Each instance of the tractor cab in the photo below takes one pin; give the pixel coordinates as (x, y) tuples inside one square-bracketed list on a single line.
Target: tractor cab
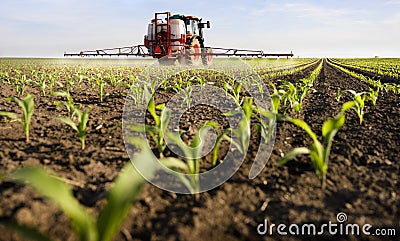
[(178, 36), (193, 24)]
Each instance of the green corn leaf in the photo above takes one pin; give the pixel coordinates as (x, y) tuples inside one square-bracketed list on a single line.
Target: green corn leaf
[(27, 105), (160, 107), (152, 109), (198, 141), (293, 154), (9, 115), (305, 127), (229, 114), (59, 193), (125, 191), (348, 105), (220, 138), (68, 122), (83, 122), (165, 118), (174, 163), (351, 92), (276, 101), (60, 93), (27, 232), (317, 156), (333, 124)]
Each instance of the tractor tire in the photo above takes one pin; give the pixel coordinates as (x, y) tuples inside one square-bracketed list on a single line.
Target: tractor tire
[(207, 56), (194, 48)]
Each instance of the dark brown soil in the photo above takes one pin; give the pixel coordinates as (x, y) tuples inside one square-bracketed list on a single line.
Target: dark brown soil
[(362, 179)]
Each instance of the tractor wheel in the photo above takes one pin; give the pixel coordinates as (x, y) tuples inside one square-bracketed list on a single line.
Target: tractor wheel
[(207, 57), (195, 48)]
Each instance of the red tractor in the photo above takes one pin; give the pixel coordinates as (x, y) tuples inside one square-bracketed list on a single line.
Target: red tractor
[(178, 36)]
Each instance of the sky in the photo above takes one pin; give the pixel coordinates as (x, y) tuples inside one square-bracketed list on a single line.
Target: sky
[(309, 28)]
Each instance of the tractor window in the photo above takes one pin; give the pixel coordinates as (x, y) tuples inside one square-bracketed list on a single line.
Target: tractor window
[(195, 27), (192, 27), (188, 27)]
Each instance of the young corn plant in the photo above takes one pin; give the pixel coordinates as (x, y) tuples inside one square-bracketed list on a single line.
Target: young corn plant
[(51, 83), (83, 118), (265, 128), (243, 132), (373, 95), (288, 96), (235, 89), (188, 96), (158, 131), (102, 85), (275, 98), (359, 100), (28, 106), (42, 83), (222, 136), (20, 85), (69, 104), (236, 92), (192, 155), (318, 152)]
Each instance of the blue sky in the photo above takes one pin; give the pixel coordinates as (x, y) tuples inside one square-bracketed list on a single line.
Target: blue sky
[(353, 28)]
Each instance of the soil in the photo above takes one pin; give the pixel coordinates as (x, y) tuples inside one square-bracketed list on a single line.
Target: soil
[(362, 180)]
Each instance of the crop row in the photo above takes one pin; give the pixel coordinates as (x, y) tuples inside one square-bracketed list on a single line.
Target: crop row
[(380, 67), (377, 84)]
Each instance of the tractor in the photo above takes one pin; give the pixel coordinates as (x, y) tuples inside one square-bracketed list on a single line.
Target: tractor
[(179, 37)]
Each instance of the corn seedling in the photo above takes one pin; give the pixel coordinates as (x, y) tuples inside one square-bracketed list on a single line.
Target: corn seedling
[(102, 85), (236, 92), (359, 100), (265, 128), (20, 85), (338, 94), (27, 106), (288, 96), (158, 131), (81, 77), (275, 98), (80, 129), (192, 154), (51, 83), (188, 95), (243, 132), (318, 152), (69, 104), (220, 138), (373, 95), (42, 83), (234, 89), (136, 93)]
